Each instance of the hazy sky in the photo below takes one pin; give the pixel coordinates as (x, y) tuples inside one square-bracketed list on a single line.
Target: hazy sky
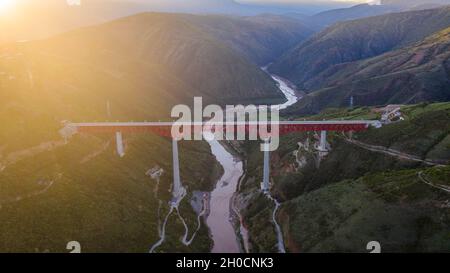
[(280, 1), (301, 1)]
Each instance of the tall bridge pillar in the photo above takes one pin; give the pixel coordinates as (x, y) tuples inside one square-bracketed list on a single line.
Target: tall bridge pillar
[(266, 176), (176, 170), (119, 144), (323, 141)]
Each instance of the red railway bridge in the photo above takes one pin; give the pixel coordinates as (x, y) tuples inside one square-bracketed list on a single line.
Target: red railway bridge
[(165, 129)]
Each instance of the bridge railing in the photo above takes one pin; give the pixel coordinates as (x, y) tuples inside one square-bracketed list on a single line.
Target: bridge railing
[(164, 128)]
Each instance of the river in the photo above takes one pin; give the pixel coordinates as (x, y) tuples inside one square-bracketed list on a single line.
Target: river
[(219, 219)]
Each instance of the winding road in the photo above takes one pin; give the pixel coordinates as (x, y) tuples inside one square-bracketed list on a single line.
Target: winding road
[(401, 155), (437, 186), (391, 152)]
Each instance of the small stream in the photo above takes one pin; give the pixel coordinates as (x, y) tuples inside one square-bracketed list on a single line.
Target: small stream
[(280, 241)]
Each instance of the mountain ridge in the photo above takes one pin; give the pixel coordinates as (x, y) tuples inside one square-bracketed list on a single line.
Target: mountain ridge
[(408, 75), (357, 39)]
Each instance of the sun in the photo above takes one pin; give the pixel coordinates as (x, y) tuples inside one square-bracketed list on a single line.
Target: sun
[(5, 5)]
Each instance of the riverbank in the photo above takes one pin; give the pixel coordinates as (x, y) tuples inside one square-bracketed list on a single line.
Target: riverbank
[(227, 226), (220, 218), (235, 209)]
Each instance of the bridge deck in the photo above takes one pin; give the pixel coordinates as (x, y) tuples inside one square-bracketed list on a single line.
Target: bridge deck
[(164, 128)]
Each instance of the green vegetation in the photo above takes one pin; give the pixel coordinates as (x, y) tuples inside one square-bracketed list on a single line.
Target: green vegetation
[(139, 67), (424, 132), (354, 195), (105, 202), (439, 176), (394, 208)]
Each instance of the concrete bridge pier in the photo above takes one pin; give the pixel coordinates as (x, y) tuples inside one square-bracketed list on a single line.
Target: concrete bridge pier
[(265, 186), (176, 191), (323, 141), (119, 144)]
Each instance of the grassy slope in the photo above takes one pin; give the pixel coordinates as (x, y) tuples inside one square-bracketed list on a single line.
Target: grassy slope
[(106, 203), (424, 133), (393, 208)]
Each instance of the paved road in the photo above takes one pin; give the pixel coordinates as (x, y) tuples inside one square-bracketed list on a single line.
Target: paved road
[(402, 155), (391, 152), (437, 186)]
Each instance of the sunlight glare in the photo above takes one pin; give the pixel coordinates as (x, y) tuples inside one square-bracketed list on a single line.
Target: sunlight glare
[(5, 5)]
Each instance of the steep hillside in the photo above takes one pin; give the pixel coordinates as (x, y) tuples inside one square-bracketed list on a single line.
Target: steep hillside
[(408, 75), (396, 209), (348, 189), (142, 65), (356, 40), (205, 63), (262, 39), (55, 193), (31, 19), (135, 68)]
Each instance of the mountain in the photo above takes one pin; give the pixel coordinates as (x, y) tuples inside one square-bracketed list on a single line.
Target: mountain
[(142, 65), (134, 68), (192, 6), (328, 18), (262, 38), (358, 192), (408, 75), (265, 37), (30, 19), (241, 7), (324, 19), (356, 40), (413, 3), (426, 6)]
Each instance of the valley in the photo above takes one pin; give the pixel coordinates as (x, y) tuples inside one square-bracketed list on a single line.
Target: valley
[(388, 184)]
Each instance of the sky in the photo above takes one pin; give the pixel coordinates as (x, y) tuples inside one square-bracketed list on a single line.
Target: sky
[(330, 3), (299, 1), (273, 2), (276, 6)]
